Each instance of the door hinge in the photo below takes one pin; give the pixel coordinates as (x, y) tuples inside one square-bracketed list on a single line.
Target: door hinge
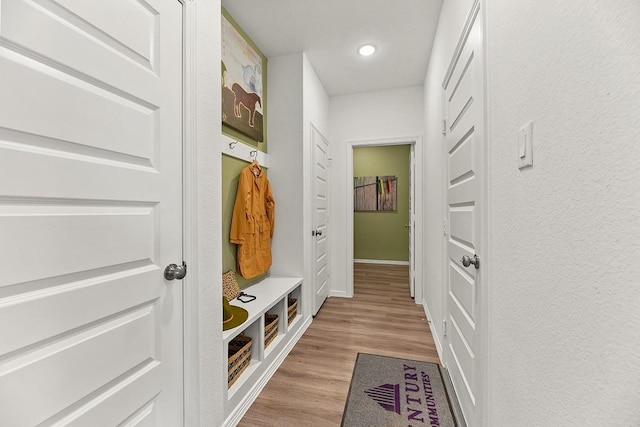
[(444, 328), (444, 226), (444, 127)]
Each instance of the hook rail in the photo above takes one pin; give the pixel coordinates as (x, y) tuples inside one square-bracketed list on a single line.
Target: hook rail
[(240, 150)]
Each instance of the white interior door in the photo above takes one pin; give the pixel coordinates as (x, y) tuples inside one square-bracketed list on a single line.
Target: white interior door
[(320, 218), (90, 212), (412, 223), (464, 154)]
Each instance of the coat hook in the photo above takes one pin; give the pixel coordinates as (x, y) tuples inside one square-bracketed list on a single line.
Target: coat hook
[(232, 144), (253, 154)]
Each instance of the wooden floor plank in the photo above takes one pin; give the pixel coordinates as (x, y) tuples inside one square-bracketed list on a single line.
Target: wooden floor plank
[(310, 388)]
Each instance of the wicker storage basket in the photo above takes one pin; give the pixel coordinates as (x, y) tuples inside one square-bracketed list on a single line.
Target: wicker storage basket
[(239, 357), (292, 309), (270, 328)]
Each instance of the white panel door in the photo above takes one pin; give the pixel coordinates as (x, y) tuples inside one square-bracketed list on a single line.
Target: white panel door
[(320, 218), (465, 147), (90, 212)]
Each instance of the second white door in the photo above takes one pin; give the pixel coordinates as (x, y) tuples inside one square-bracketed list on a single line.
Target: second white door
[(320, 218), (412, 222), (464, 156)]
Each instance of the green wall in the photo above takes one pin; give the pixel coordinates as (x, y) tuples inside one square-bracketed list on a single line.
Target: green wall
[(231, 168), (382, 235)]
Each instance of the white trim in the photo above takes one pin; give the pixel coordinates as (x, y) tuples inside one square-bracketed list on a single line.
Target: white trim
[(445, 234), (381, 261), (240, 150), (416, 141), (348, 220), (436, 338), (204, 365), (191, 372), (339, 294), (486, 273), (418, 231), (412, 223), (239, 411)]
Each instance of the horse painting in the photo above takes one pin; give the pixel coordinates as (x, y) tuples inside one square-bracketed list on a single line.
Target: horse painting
[(247, 100)]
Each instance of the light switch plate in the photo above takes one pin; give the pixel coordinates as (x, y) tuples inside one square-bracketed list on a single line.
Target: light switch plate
[(525, 146)]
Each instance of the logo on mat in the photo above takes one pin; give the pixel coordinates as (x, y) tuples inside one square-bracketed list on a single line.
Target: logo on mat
[(387, 396)]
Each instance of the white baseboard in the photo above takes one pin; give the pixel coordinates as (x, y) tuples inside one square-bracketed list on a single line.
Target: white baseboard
[(234, 418), (434, 332), (380, 261), (339, 294)]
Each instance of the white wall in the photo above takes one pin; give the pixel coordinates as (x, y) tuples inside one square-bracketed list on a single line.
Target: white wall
[(285, 130), (315, 112), (316, 101), (452, 18), (296, 99), (367, 116), (205, 364), (565, 234)]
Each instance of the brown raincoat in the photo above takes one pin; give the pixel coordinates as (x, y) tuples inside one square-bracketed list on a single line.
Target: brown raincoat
[(252, 222)]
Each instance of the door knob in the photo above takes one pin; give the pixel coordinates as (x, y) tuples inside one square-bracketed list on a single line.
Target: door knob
[(407, 226), (316, 233), (173, 271), (467, 261)]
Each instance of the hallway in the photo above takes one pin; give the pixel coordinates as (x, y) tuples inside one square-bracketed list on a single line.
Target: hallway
[(310, 388)]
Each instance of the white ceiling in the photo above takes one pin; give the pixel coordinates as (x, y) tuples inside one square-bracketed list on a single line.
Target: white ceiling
[(330, 32)]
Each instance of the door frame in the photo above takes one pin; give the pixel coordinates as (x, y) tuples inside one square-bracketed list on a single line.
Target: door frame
[(416, 142), (191, 373), (204, 371), (476, 14)]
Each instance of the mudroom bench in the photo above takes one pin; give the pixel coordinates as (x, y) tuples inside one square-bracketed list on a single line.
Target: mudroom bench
[(275, 296)]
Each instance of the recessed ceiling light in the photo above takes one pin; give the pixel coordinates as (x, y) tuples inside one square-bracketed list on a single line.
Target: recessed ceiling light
[(366, 50)]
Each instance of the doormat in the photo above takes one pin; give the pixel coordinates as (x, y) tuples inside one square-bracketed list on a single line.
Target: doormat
[(386, 391)]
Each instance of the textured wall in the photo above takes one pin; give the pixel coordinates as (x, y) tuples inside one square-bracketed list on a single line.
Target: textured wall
[(367, 116), (207, 357), (564, 235), (382, 235)]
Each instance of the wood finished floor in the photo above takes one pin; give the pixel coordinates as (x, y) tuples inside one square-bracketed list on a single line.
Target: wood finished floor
[(311, 386)]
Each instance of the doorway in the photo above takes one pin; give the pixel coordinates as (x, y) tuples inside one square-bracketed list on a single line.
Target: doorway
[(413, 222)]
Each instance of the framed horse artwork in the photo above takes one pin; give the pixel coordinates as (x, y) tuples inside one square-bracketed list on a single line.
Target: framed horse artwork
[(243, 82)]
